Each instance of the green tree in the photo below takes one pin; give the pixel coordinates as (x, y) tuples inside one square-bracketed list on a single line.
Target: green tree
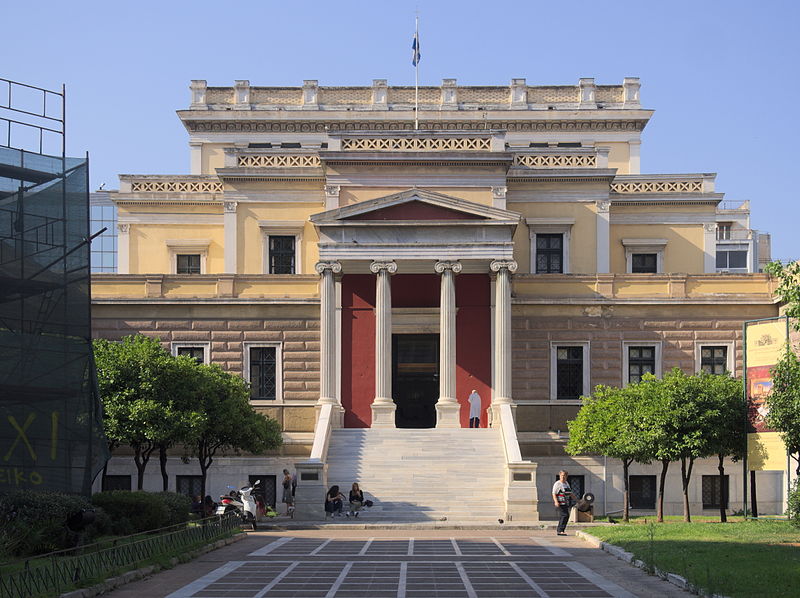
[(231, 422), (726, 432), (150, 399), (784, 402), (788, 290), (608, 424)]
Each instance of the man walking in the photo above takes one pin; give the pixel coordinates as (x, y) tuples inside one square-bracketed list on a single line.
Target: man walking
[(562, 499), (474, 409)]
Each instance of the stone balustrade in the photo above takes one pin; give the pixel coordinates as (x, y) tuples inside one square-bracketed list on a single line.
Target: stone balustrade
[(180, 184)]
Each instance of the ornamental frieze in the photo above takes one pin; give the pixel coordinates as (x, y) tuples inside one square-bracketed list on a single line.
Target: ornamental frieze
[(340, 126)]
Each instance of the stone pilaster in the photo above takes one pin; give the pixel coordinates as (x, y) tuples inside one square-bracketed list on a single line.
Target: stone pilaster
[(499, 197), (230, 225), (383, 406), (447, 408), (603, 229), (332, 196), (123, 248), (502, 331), (241, 94)]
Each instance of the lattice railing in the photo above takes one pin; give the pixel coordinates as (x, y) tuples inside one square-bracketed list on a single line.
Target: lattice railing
[(176, 186), (484, 95), (417, 144), (556, 160), (553, 95), (279, 161), (658, 187)]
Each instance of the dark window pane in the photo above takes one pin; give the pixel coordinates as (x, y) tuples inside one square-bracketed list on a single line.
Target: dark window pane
[(569, 372), (644, 263), (196, 353), (549, 253), (641, 360), (722, 259), (737, 259), (642, 490), (713, 493), (190, 485), (714, 360), (188, 263), (116, 482), (263, 373), (281, 254)]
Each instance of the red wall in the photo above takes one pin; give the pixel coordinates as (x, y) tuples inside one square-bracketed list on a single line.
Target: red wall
[(473, 342), (473, 329)]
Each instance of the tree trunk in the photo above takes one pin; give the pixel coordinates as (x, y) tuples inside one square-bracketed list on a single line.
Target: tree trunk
[(686, 476), (660, 512), (723, 491), (162, 459), (141, 457), (205, 456), (626, 503)]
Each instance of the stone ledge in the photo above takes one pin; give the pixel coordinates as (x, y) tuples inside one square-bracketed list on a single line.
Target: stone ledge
[(623, 555), (114, 582)]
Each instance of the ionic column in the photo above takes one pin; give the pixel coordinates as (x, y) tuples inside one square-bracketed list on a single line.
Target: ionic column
[(383, 406), (502, 330), (327, 332), (447, 406)]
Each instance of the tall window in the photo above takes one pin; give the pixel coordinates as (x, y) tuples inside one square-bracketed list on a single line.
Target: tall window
[(577, 483), (642, 490), (263, 373), (641, 361), (188, 263), (549, 253), (644, 263), (724, 231), (714, 359), (281, 254), (714, 493), (104, 247), (569, 372)]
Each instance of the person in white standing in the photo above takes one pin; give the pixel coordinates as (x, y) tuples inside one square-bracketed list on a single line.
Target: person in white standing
[(562, 499), (474, 409)]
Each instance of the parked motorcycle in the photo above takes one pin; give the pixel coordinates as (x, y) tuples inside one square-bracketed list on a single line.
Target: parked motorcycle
[(241, 502)]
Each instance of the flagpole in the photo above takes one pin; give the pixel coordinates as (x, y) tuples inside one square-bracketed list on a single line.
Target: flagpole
[(416, 77)]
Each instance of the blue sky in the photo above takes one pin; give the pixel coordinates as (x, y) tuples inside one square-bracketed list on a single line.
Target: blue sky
[(721, 75)]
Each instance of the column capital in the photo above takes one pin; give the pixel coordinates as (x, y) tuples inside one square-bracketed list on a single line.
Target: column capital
[(390, 267), (123, 228), (334, 267), (440, 267), (603, 206), (230, 206), (497, 265)]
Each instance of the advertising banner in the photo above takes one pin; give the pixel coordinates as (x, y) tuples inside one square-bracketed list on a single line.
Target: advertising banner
[(764, 342)]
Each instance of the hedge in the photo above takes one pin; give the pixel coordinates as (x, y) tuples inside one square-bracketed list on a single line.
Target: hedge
[(133, 512)]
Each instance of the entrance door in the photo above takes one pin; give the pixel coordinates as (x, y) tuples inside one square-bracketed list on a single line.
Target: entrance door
[(415, 379)]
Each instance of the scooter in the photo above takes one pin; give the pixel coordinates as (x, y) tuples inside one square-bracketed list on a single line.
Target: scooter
[(241, 502)]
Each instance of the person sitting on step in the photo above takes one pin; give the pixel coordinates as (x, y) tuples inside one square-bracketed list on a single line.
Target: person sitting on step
[(333, 502), (356, 500)]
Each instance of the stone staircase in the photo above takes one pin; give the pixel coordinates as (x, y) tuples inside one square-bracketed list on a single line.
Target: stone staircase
[(422, 475)]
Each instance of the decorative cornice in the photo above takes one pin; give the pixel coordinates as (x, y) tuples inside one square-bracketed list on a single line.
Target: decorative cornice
[(497, 265), (323, 126), (390, 267), (334, 267), (440, 267)]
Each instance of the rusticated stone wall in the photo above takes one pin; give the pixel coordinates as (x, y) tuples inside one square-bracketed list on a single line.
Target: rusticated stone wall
[(226, 328)]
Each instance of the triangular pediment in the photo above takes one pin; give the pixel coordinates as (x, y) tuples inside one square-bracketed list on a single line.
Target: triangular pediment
[(417, 205)]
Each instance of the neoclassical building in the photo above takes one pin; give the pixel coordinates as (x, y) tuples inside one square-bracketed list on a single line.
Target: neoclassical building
[(365, 276)]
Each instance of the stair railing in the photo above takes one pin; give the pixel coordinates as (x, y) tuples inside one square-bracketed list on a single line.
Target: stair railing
[(312, 474)]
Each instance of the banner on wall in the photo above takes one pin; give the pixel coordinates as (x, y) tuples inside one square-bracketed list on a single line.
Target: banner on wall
[(764, 341)]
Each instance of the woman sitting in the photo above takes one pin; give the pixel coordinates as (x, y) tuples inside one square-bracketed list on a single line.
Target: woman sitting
[(356, 499), (333, 502)]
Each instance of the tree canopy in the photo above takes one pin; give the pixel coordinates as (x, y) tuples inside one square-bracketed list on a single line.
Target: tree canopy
[(788, 290)]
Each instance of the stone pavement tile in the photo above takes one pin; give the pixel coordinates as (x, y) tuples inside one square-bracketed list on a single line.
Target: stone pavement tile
[(382, 567)]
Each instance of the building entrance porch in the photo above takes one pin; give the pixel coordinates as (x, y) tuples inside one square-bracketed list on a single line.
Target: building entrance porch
[(415, 377)]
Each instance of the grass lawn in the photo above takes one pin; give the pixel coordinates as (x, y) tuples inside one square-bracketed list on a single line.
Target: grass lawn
[(738, 559)]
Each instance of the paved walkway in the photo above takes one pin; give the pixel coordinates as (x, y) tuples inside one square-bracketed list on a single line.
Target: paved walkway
[(403, 564)]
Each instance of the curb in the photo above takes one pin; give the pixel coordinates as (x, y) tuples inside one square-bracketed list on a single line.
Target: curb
[(286, 526), (624, 555), (114, 582)]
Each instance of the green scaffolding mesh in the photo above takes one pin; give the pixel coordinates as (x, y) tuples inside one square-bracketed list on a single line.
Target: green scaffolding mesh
[(50, 417)]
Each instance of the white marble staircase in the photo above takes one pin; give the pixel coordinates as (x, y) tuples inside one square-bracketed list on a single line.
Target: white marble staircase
[(422, 475)]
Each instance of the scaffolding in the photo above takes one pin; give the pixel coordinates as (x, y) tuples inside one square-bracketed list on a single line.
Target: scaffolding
[(51, 434)]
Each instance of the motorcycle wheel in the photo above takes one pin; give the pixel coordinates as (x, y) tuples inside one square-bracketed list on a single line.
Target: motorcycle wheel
[(255, 526)]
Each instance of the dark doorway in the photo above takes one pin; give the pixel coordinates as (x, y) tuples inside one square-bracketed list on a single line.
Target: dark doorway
[(266, 489), (415, 379)]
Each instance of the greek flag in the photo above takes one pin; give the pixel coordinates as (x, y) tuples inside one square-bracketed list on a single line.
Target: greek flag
[(415, 47)]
